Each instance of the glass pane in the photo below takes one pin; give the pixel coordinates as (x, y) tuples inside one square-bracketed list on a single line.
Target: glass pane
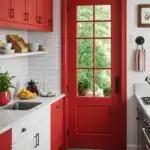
[(103, 53), (103, 83), (103, 12), (84, 13), (85, 53), (102, 29), (85, 82), (85, 29)]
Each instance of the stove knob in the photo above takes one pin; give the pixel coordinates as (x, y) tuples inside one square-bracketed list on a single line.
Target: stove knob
[(146, 122)]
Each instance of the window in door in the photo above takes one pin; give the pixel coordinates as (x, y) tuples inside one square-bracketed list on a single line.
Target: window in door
[(93, 50)]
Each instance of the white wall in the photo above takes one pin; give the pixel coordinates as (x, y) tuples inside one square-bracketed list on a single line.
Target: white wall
[(48, 67), (133, 77), (15, 66)]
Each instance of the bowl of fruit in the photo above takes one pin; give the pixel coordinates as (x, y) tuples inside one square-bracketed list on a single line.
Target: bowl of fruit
[(25, 94)]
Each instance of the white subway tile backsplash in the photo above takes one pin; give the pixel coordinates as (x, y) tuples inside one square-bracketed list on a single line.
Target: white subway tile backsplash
[(4, 32), (15, 66), (47, 68)]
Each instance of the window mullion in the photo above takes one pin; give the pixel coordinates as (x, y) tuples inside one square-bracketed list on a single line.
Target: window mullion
[(94, 78)]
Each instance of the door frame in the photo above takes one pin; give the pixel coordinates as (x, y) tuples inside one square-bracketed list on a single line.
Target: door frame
[(64, 67)]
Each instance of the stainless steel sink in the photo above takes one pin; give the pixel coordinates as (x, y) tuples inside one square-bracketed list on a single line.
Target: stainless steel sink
[(21, 106)]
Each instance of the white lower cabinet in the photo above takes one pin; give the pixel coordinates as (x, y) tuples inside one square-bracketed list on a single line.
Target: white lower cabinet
[(33, 133), (42, 141), (25, 143)]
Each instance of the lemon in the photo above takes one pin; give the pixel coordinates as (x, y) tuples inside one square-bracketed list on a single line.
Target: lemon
[(23, 95), (34, 94)]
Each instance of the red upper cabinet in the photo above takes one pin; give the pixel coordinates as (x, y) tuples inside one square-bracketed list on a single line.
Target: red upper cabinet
[(37, 10), (26, 14), (33, 12), (5, 9), (49, 15), (41, 12), (20, 11), (6, 140)]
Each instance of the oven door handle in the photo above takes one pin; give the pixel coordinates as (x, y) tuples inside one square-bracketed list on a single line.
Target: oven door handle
[(145, 134), (147, 147)]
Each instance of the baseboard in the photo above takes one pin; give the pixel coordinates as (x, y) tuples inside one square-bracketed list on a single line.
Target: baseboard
[(133, 147), (129, 147)]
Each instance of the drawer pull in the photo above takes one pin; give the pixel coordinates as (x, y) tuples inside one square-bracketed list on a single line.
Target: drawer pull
[(36, 145), (26, 16), (23, 130), (37, 19), (38, 139), (12, 13), (41, 20)]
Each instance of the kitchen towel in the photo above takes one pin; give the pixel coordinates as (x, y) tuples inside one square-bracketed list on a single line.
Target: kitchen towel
[(140, 60)]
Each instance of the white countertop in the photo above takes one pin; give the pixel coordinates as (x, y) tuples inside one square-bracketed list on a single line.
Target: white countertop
[(10, 117), (143, 90)]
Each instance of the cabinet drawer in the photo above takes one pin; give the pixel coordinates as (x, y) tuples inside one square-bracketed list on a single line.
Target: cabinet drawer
[(21, 129)]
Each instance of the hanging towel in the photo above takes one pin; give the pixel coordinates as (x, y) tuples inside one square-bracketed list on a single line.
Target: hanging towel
[(140, 60)]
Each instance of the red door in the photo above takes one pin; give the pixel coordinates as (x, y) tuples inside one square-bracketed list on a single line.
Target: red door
[(5, 10), (94, 44), (20, 11), (6, 140)]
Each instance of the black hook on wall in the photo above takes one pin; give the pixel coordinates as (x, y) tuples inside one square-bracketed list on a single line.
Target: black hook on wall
[(140, 41)]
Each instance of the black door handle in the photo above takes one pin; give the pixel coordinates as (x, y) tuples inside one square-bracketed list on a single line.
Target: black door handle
[(117, 84)]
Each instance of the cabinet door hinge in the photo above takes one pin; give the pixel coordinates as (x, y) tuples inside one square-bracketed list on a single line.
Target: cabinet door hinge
[(67, 132)]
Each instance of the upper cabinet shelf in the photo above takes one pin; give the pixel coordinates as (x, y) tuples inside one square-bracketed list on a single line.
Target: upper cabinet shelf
[(27, 14), (5, 56)]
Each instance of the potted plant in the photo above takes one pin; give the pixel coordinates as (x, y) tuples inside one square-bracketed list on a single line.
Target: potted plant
[(83, 87), (5, 85)]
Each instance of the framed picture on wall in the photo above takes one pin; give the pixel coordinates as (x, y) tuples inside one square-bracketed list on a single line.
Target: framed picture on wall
[(144, 15)]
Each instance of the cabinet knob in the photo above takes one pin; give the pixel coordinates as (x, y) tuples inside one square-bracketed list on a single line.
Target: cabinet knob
[(58, 107), (41, 20), (12, 12), (23, 130), (26, 15), (37, 19)]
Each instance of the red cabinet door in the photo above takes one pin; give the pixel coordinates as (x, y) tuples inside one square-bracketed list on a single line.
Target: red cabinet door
[(33, 12), (49, 15), (20, 11), (6, 140), (56, 126), (5, 9), (41, 12), (37, 9)]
